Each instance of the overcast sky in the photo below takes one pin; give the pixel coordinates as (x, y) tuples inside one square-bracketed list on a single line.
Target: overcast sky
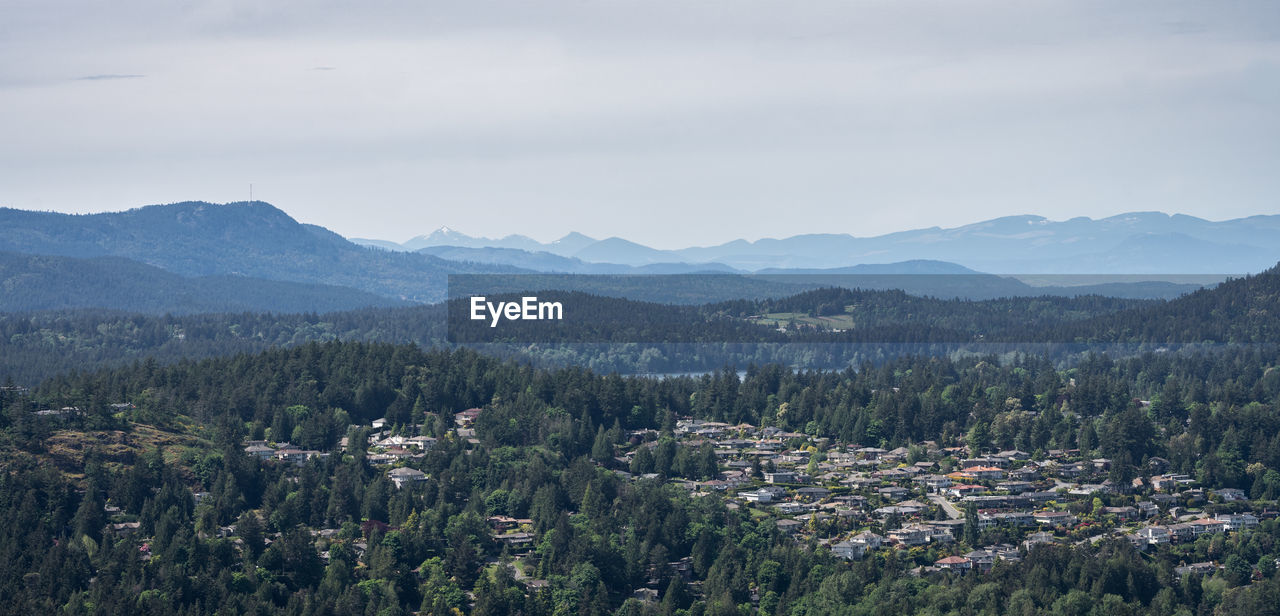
[(669, 123)]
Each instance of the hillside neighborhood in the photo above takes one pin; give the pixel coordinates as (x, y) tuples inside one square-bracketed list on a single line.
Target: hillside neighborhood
[(946, 509)]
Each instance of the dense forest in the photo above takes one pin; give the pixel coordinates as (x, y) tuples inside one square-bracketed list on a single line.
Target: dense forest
[(334, 536)]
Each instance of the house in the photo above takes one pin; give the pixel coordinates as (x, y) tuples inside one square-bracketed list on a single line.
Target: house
[(516, 541), (983, 560), (849, 550), (789, 526), (1237, 521), (1015, 487), (466, 418), (812, 493), (1040, 498), (1087, 489), (1070, 471), (261, 451), (954, 563), (402, 477), (951, 527), (1013, 518), (985, 473), (1054, 518), (791, 508), (962, 490), (1201, 569), (759, 496), (1013, 454), (909, 536), (1155, 535), (1230, 495), (893, 493), (1181, 532), (985, 461), (892, 510), (125, 528), (297, 456), (780, 477), (935, 483), (868, 539), (1206, 526), (1035, 539), (1121, 513)]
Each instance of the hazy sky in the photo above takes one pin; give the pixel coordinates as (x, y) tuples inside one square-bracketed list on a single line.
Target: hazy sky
[(669, 123)]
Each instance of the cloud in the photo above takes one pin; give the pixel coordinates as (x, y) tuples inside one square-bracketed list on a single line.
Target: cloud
[(878, 113), (108, 76)]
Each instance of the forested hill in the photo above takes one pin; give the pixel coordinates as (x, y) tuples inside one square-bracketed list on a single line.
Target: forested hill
[(35, 282), (249, 239), (1245, 310)]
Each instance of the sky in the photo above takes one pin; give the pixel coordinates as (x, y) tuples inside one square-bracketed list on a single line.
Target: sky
[(668, 123)]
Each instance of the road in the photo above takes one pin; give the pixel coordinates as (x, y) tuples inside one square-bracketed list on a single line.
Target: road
[(946, 505)]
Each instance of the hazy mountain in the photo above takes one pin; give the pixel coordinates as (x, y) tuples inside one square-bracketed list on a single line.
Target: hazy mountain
[(248, 239), (40, 282), (570, 244), (618, 250), (547, 262), (444, 236), (1137, 242)]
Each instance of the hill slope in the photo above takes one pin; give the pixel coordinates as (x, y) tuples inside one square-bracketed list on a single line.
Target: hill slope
[(248, 239), (34, 282)]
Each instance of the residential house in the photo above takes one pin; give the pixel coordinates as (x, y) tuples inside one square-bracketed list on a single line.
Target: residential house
[(1054, 518), (1037, 538), (789, 526), (402, 477), (1155, 535), (1237, 521), (868, 539), (954, 563), (1230, 495), (849, 550)]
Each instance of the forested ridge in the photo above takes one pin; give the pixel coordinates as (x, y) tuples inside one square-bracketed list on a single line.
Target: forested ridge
[(547, 445), (631, 336), (35, 283)]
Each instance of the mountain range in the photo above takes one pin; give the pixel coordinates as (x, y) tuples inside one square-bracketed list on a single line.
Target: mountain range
[(200, 257), (1147, 243)]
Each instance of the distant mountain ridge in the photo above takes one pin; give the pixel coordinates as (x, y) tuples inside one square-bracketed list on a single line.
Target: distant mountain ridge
[(258, 241), (1135, 242), (40, 282), (247, 239)]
